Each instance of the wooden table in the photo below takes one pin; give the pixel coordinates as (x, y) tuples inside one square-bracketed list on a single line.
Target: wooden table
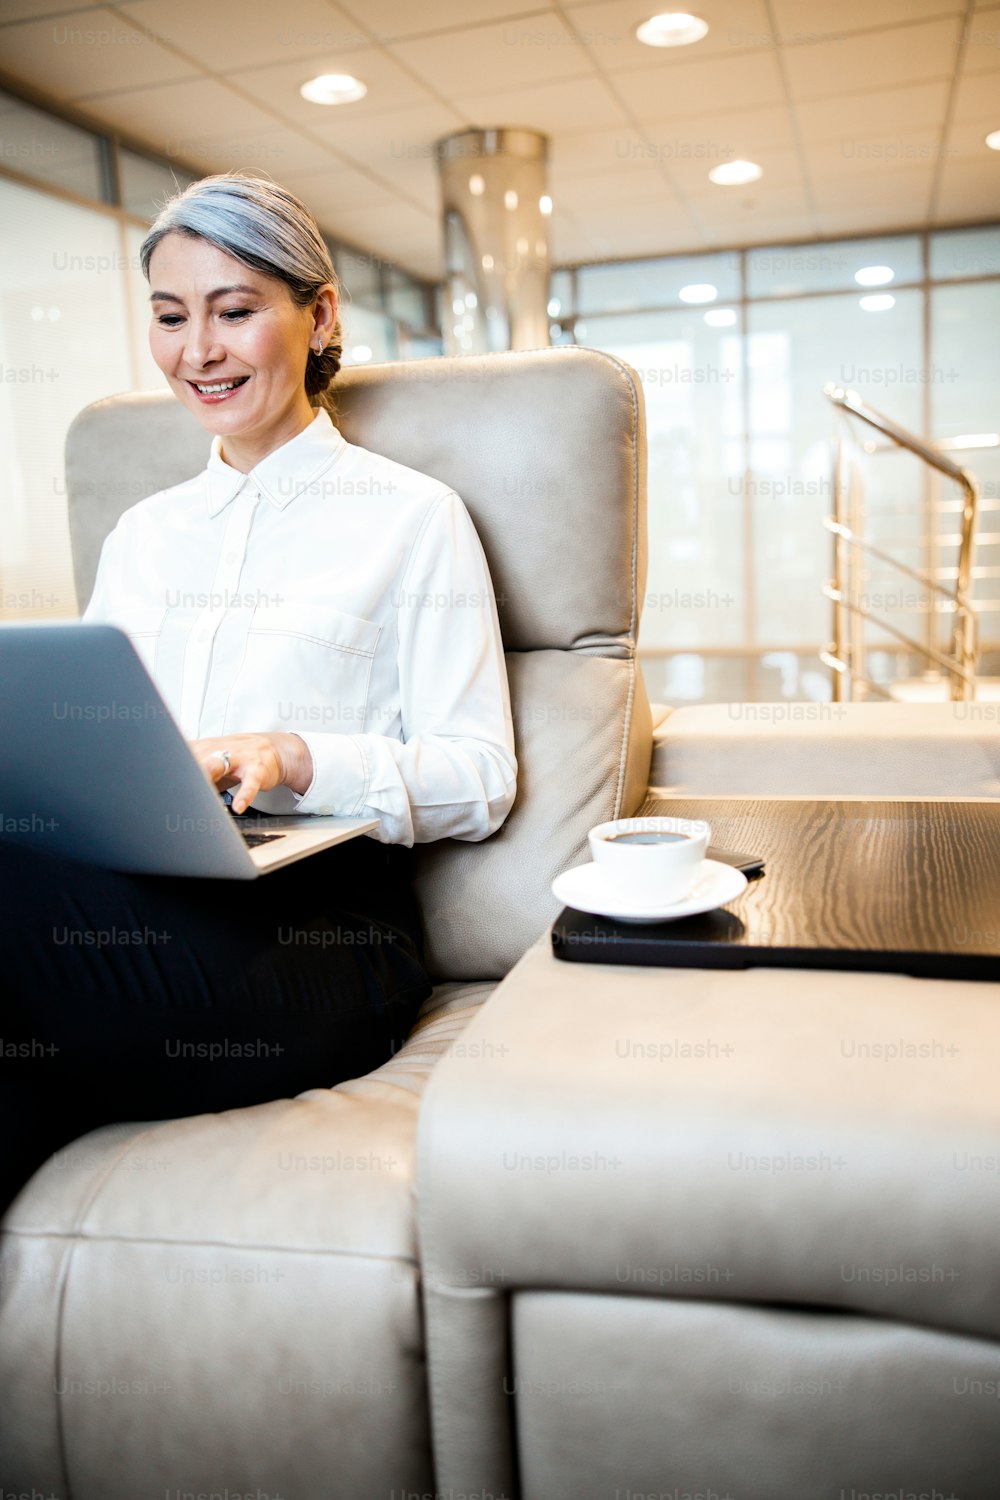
[(907, 887)]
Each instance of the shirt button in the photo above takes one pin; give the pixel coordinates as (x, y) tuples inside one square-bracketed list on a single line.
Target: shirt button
[(327, 810)]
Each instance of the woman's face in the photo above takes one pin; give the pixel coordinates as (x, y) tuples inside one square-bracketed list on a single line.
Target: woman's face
[(218, 324)]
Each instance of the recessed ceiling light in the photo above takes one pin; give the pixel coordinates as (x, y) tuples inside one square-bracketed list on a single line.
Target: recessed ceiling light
[(874, 275), (720, 317), (361, 354), (477, 185), (735, 173), (553, 307), (334, 88), (545, 204), (510, 199), (698, 291), (674, 28), (879, 303), (993, 140)]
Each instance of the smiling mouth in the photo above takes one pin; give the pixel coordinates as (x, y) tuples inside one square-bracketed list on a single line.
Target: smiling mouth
[(217, 390)]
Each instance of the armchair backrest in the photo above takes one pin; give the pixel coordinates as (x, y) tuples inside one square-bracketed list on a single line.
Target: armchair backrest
[(547, 450)]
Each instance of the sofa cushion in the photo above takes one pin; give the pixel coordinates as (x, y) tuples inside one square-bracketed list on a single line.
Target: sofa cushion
[(581, 725), (227, 1299)]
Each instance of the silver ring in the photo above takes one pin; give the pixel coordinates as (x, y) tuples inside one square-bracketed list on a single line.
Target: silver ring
[(225, 758)]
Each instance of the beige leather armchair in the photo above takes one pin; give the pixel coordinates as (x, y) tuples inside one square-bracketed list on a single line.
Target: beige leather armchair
[(232, 1302)]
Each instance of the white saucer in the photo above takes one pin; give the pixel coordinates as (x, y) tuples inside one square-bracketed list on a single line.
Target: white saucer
[(589, 888)]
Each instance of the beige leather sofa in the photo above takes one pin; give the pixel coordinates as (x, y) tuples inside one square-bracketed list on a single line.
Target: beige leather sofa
[(234, 1300), (511, 1262)]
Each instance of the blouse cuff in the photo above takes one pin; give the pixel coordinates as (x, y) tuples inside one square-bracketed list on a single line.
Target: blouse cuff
[(340, 775)]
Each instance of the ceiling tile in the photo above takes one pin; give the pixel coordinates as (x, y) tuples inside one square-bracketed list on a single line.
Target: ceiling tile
[(392, 139), (389, 86), (874, 154), (864, 219), (280, 153), (982, 43), (400, 232), (32, 10), (340, 186), (639, 184), (810, 18), (516, 53), (73, 56), (637, 242), (568, 104), (753, 209), (720, 136), (966, 189), (874, 59), (578, 153), (881, 109), (607, 28), (228, 34), (415, 181), (905, 189), (390, 20), (782, 168), (674, 93), (160, 116), (977, 98), (967, 142)]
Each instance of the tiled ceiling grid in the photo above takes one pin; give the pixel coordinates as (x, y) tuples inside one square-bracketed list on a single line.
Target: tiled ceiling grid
[(866, 115)]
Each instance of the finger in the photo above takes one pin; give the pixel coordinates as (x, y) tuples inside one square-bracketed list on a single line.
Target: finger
[(249, 785), (216, 771)]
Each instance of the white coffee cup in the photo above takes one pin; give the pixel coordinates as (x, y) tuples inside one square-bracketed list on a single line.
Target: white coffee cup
[(648, 860)]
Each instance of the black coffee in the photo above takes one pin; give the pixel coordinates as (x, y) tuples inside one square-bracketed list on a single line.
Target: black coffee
[(648, 838)]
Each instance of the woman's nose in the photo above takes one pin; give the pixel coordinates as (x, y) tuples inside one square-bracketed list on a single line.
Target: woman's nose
[(202, 346)]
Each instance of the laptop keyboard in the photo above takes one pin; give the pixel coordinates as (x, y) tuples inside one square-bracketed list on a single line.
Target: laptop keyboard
[(253, 839)]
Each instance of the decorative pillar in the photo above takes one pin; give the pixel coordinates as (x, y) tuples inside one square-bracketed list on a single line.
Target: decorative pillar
[(496, 232)]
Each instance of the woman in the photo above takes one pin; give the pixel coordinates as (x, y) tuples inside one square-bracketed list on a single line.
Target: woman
[(321, 622)]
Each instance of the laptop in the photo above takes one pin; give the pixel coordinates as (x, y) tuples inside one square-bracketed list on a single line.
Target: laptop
[(94, 766)]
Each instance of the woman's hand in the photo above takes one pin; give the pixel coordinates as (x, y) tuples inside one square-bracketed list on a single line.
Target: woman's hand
[(257, 762)]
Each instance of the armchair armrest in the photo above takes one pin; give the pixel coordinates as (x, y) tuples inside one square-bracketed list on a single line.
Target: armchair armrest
[(829, 750), (774, 1125)]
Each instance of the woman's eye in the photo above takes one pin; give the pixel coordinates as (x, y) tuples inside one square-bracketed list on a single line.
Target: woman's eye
[(169, 320), (235, 314)]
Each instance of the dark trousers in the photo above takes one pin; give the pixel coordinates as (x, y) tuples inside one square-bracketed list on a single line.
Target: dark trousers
[(127, 997)]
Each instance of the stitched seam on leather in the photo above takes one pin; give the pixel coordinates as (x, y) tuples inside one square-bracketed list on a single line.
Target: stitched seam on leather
[(76, 1236), (57, 1379), (129, 1239), (625, 736), (627, 721)]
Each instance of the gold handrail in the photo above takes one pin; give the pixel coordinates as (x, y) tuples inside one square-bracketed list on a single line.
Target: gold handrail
[(962, 664)]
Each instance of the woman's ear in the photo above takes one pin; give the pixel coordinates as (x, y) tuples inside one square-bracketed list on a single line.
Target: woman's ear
[(324, 315)]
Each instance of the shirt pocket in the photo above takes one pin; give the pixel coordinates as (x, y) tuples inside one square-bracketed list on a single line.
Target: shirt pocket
[(305, 666)]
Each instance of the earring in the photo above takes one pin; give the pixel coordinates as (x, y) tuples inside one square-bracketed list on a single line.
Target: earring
[(318, 347)]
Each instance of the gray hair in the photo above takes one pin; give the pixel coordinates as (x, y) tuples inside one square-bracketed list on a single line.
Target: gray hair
[(266, 228)]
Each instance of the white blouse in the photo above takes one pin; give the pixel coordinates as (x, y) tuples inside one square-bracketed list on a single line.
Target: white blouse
[(338, 595)]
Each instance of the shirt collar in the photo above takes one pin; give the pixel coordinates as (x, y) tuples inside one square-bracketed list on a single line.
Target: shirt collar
[(283, 474)]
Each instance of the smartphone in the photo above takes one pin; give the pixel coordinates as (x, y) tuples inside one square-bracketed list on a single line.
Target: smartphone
[(750, 864)]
